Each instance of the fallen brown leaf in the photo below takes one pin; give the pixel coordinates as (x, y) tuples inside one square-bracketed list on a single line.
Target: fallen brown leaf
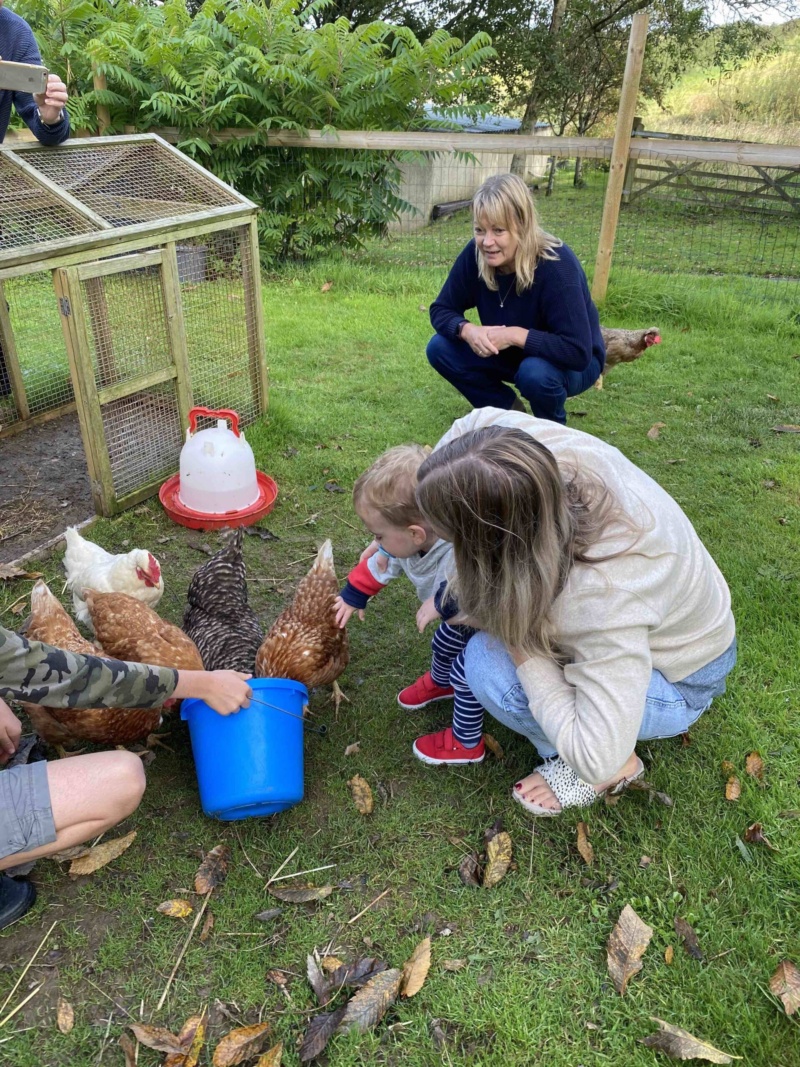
[(786, 428), (728, 768), (357, 974), (320, 1030), (302, 894), (331, 963), (8, 571), (733, 788), (645, 862), (498, 859), (681, 1045), (368, 1006), (669, 955), (240, 1045), (771, 396), (319, 983), (128, 1049), (639, 785), (415, 969), (351, 750), (362, 794), (277, 978), (494, 747), (192, 1037), (269, 915), (492, 831), (70, 853), (65, 1016), (326, 288), (208, 926), (655, 430), (176, 909), (453, 965), (158, 1038), (213, 870), (785, 983), (754, 835), (585, 845), (272, 1058), (626, 946), (100, 855), (754, 765), (689, 938)]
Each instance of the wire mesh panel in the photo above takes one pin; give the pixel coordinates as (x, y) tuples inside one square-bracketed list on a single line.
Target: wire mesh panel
[(131, 182), (31, 213), (143, 436), (219, 287), (41, 352)]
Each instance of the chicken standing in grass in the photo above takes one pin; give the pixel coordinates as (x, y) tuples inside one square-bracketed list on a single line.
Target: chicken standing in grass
[(218, 619), (88, 566), (50, 623), (305, 642), (129, 630), (624, 346)]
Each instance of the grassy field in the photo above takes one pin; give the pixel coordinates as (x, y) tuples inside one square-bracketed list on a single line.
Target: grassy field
[(349, 378)]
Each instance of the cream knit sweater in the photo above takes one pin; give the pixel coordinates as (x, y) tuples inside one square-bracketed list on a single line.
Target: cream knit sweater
[(663, 604)]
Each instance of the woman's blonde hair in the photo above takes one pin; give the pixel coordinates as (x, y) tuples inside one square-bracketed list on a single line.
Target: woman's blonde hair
[(517, 524), (505, 200), (389, 485)]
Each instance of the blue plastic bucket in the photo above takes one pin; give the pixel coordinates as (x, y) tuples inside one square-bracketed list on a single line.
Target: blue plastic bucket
[(250, 763)]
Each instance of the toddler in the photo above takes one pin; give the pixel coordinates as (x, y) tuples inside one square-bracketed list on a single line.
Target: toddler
[(384, 499)]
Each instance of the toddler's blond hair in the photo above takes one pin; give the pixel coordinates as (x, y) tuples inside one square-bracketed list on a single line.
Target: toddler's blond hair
[(389, 486)]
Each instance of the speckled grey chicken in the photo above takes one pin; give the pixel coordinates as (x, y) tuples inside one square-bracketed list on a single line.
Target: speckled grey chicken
[(218, 619)]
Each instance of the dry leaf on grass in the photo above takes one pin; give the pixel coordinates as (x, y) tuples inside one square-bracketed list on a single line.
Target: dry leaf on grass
[(213, 870), (754, 835), (100, 855), (626, 946), (669, 955), (128, 1049), (277, 978), (351, 750), (158, 1038), (453, 965), (754, 765), (320, 1030), (785, 983), (362, 794), (302, 894), (269, 915), (176, 909), (469, 870), (415, 969), (788, 427), (330, 964), (733, 788), (498, 859), (689, 938), (681, 1045), (208, 926), (357, 974), (8, 571), (240, 1045), (494, 746), (728, 768), (584, 844), (65, 1016), (272, 1058), (70, 853), (319, 983), (326, 288), (368, 1006), (655, 430), (192, 1037), (639, 785)]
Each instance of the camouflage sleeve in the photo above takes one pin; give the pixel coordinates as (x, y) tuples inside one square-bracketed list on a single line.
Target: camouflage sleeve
[(41, 674)]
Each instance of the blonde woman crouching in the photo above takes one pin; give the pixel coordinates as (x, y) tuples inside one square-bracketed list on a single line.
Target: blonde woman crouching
[(604, 619), (539, 329)]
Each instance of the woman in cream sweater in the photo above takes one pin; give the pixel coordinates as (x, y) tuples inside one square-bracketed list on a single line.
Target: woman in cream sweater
[(604, 619)]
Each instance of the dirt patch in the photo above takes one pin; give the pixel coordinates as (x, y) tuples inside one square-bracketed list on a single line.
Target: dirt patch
[(44, 486)]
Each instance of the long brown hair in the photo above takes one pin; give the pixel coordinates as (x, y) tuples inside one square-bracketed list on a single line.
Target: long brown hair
[(505, 200), (518, 524)]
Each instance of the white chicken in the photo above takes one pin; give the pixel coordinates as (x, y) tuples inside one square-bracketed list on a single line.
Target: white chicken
[(88, 566)]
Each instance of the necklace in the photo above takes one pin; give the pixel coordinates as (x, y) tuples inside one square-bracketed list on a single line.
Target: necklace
[(508, 291)]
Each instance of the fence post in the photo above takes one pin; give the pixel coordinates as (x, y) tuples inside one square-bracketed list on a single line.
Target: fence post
[(619, 154), (630, 170), (103, 114)]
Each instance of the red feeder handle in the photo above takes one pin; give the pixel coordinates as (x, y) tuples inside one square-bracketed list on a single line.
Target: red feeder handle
[(222, 413)]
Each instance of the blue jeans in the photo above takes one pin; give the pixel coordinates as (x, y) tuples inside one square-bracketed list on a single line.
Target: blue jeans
[(492, 677), (483, 381)]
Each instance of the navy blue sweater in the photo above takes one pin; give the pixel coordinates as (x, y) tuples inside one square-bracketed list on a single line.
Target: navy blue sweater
[(557, 311), (17, 44)]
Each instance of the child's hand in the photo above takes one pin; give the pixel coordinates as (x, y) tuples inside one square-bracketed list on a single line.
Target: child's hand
[(427, 613), (344, 613), (382, 562), (10, 732)]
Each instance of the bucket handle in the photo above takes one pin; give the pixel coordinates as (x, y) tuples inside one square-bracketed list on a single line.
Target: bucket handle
[(223, 413)]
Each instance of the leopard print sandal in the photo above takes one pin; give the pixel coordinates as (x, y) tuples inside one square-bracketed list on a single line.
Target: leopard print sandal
[(568, 788)]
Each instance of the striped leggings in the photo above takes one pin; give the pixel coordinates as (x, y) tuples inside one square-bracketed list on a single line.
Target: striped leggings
[(447, 669)]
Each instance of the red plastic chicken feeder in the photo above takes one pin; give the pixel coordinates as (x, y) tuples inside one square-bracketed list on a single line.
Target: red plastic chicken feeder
[(218, 484)]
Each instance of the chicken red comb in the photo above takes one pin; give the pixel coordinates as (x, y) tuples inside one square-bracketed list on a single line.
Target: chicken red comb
[(649, 340)]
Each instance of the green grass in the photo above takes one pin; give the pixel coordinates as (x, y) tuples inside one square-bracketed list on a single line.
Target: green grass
[(349, 378)]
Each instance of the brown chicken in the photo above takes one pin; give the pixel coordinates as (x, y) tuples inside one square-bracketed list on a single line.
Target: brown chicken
[(129, 630), (304, 642), (49, 622), (624, 346)]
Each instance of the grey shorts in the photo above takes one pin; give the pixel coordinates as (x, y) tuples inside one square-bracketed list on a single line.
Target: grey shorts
[(26, 817)]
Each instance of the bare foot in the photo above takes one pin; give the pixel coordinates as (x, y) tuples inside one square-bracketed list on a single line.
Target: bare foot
[(535, 789)]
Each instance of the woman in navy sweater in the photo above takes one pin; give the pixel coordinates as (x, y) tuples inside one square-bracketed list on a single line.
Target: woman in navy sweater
[(539, 327)]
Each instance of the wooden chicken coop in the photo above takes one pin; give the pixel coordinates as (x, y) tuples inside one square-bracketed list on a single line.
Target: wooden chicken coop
[(130, 292)]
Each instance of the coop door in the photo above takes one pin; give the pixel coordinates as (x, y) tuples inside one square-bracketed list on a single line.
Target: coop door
[(123, 323)]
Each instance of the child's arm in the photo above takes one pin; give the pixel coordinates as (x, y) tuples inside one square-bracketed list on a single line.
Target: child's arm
[(427, 613), (10, 731)]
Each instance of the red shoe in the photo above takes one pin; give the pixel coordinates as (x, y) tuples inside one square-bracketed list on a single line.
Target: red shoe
[(423, 691), (444, 748)]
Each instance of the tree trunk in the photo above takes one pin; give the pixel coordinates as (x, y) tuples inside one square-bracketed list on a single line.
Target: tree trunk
[(533, 104), (551, 177)]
